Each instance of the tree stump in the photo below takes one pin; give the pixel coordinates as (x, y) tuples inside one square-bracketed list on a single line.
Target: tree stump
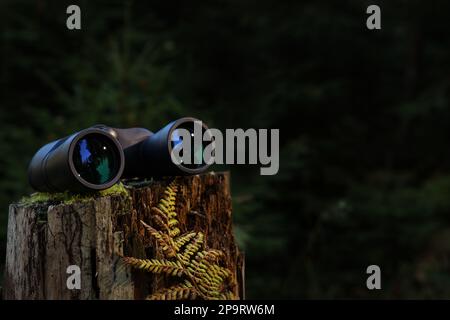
[(44, 239)]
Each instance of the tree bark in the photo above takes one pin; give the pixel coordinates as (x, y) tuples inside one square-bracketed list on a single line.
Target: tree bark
[(43, 240)]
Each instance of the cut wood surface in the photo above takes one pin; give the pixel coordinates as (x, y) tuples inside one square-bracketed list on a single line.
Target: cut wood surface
[(44, 239)]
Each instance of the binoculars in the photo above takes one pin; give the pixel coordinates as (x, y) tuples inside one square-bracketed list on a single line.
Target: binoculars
[(97, 157)]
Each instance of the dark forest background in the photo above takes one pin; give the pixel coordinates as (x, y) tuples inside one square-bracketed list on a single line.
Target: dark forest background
[(364, 122)]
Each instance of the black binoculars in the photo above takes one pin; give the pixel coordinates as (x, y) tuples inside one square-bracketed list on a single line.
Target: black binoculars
[(97, 157)]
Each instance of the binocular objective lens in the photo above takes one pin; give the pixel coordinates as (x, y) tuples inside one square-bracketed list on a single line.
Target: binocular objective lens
[(96, 159)]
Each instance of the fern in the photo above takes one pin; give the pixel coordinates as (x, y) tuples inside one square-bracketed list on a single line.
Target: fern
[(156, 266), (185, 256), (178, 292), (164, 241), (182, 240)]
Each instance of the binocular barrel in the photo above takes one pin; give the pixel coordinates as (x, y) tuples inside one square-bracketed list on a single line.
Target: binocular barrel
[(97, 157), (91, 159), (149, 154)]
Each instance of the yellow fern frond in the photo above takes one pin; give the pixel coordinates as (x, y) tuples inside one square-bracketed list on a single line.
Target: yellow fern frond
[(156, 266), (174, 232), (228, 295), (205, 276), (183, 239), (161, 223), (177, 292), (172, 222), (210, 255), (193, 246), (164, 241), (167, 203), (157, 212), (164, 209), (199, 269)]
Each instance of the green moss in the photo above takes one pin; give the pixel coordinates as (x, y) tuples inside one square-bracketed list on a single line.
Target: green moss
[(116, 190), (69, 198)]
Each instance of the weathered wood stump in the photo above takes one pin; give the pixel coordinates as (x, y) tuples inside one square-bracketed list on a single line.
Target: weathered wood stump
[(93, 233)]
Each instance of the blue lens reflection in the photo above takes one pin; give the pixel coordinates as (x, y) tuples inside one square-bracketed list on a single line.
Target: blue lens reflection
[(96, 159)]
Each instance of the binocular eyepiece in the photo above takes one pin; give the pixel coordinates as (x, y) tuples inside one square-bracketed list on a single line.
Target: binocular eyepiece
[(97, 157)]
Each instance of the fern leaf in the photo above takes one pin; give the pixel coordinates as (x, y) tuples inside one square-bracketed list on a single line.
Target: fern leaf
[(227, 295), (164, 209), (210, 255), (172, 222), (182, 240), (177, 292), (157, 212), (174, 232), (156, 266), (161, 223), (193, 246), (164, 241)]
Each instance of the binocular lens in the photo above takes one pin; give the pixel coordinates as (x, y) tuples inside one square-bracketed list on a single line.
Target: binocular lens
[(96, 159)]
